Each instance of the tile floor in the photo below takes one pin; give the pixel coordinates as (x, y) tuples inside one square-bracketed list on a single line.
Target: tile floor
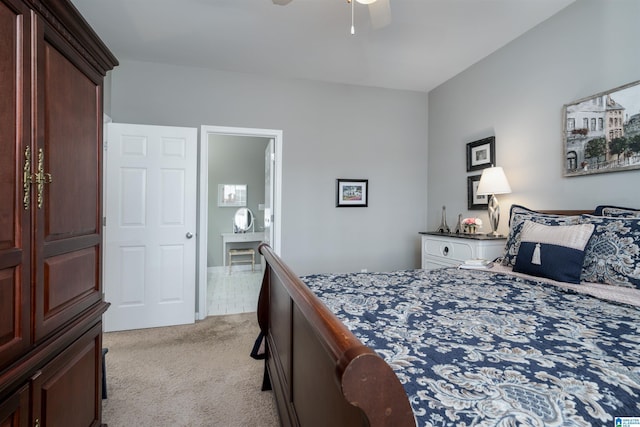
[(232, 293)]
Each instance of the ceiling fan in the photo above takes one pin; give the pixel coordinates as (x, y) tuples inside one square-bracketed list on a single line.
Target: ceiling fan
[(379, 11)]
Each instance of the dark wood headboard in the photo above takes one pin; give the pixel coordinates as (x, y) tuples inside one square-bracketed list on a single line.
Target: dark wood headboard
[(321, 374), (568, 212)]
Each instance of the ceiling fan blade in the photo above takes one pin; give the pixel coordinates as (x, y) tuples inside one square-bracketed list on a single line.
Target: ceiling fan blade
[(380, 12), (281, 2)]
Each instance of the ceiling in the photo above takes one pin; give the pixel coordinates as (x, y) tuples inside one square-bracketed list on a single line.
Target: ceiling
[(426, 43)]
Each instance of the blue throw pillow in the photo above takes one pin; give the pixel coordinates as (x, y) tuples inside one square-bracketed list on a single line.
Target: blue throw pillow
[(517, 216), (613, 254), (555, 252)]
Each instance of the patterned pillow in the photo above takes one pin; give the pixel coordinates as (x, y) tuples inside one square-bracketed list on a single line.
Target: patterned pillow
[(620, 212), (555, 252), (610, 210), (517, 216), (613, 253)]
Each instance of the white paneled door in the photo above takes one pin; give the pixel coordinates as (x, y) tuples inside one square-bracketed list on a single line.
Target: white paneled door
[(150, 244)]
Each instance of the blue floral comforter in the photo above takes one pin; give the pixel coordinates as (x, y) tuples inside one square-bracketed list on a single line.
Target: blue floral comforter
[(487, 349)]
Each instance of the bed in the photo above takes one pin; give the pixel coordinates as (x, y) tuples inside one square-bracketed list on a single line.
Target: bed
[(513, 345)]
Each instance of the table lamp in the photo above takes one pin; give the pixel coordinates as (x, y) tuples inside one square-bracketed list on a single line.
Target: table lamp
[(493, 181)]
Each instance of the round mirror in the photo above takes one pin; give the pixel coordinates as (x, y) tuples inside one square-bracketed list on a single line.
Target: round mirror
[(242, 220)]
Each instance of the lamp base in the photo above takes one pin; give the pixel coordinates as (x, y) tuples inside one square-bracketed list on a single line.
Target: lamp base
[(494, 215)]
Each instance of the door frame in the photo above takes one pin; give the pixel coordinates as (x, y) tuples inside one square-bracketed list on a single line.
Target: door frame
[(203, 191)]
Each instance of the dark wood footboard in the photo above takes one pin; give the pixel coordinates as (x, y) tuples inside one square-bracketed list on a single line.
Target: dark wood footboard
[(321, 374)]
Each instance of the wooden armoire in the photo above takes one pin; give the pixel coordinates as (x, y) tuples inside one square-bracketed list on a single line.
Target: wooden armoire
[(52, 67)]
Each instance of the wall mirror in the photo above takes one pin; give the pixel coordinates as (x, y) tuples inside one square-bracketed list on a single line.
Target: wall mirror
[(243, 221), (232, 195)]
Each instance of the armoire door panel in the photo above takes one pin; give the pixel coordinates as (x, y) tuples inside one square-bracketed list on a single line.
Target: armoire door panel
[(71, 154), (8, 299), (71, 285), (14, 305), (65, 387), (15, 123), (10, 38), (12, 324), (67, 204), (68, 389), (69, 277), (14, 411)]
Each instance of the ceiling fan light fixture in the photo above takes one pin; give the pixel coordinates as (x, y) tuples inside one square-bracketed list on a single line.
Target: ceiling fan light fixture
[(366, 1)]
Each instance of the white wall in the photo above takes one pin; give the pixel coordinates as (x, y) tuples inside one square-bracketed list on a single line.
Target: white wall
[(517, 94), (329, 131)]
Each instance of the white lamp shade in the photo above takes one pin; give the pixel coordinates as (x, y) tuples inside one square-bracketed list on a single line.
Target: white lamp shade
[(366, 1), (493, 181)]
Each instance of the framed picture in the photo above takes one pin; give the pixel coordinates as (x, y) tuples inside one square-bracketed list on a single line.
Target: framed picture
[(602, 132), (352, 193), (481, 154), (474, 201), (232, 195)]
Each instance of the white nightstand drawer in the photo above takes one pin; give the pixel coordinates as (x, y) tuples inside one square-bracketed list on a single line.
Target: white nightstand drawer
[(442, 250), (453, 250), (430, 264)]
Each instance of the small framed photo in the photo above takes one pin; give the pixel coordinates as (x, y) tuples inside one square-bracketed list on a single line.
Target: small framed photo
[(232, 195), (481, 154), (474, 201), (352, 193)]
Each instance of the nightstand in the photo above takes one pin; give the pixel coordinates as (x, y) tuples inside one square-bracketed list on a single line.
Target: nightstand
[(447, 249)]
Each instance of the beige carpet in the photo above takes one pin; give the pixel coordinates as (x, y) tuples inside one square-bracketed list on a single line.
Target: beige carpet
[(193, 375)]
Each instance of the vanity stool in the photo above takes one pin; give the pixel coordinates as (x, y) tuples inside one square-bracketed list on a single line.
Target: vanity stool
[(242, 253)]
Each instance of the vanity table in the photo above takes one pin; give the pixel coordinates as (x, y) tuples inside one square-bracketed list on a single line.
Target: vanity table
[(255, 237)]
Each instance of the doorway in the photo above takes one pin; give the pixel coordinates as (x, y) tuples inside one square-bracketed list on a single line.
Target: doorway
[(208, 206)]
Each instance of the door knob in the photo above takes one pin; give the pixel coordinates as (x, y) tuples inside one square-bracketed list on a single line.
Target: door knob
[(189, 235)]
